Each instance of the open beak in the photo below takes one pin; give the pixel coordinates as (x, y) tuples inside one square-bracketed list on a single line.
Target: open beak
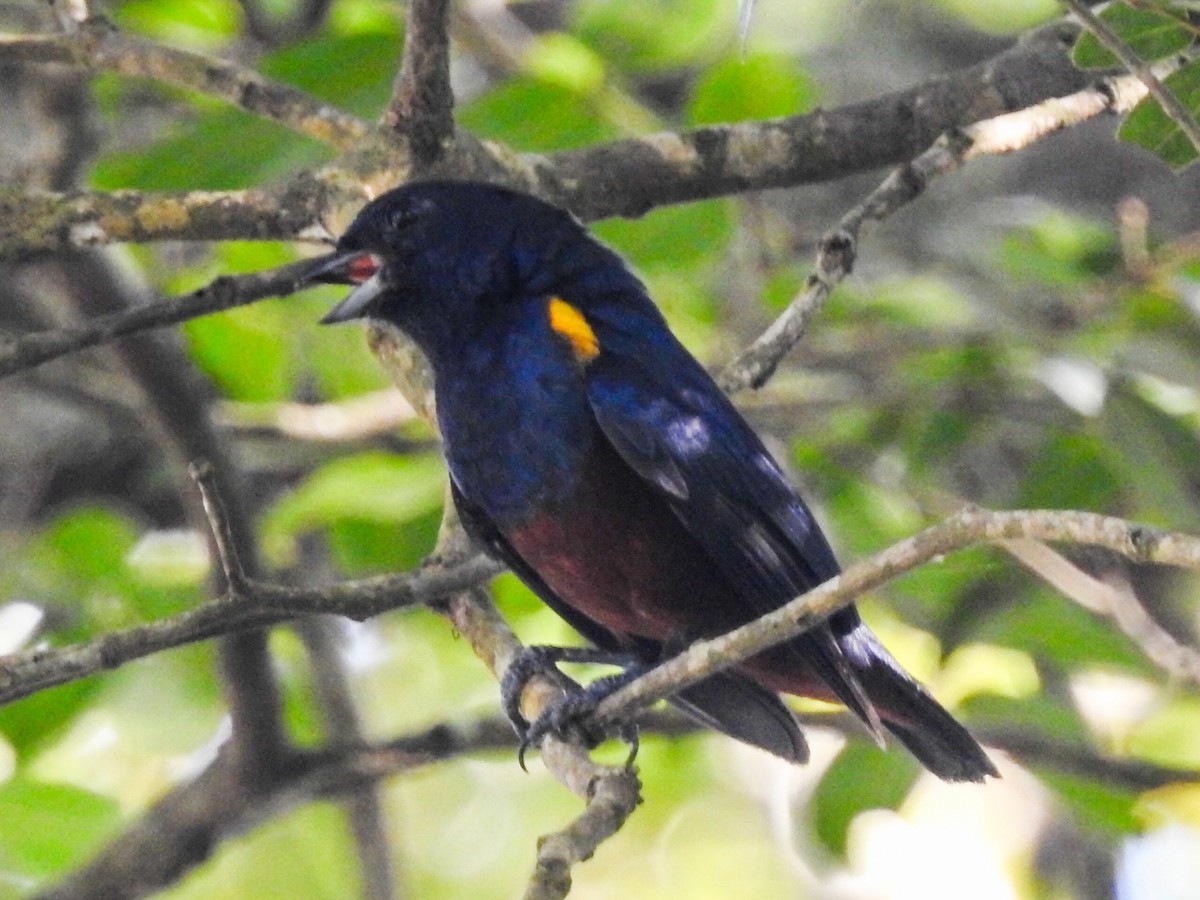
[(359, 269)]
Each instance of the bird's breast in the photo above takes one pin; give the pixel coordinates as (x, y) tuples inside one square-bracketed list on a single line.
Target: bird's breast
[(516, 428), (615, 551)]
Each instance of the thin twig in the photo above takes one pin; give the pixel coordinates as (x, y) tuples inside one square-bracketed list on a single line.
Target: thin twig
[(97, 46), (1111, 41), (839, 249), (225, 292), (611, 794), (611, 799), (218, 523), (1114, 599), (22, 674)]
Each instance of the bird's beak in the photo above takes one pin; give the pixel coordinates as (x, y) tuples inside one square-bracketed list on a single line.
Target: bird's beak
[(357, 268)]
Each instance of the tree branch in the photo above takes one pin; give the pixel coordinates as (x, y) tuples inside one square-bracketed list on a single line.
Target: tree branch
[(625, 177), (22, 674), (422, 102), (967, 528), (632, 176), (225, 292), (612, 796), (838, 249), (96, 46), (1114, 599), (33, 222), (219, 527)]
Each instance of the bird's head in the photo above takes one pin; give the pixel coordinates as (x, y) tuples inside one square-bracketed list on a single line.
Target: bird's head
[(428, 256)]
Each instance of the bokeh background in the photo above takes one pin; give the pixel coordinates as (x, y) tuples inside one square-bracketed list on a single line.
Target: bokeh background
[(1027, 334)]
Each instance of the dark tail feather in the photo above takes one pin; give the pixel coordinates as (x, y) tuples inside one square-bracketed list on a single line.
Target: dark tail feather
[(918, 721), (736, 706), (840, 673)]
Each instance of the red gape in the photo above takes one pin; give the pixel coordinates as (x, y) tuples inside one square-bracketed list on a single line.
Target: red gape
[(363, 267)]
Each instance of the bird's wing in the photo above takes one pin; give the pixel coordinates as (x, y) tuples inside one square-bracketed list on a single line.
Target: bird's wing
[(671, 424)]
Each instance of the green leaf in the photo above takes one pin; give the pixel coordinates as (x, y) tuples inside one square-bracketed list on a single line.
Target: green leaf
[(353, 72), (672, 238), (46, 828), (87, 546), (1147, 125), (198, 154), (760, 86), (533, 115), (1170, 735), (1151, 34), (1159, 455), (1093, 482), (197, 26), (1048, 626), (1060, 250), (360, 547), (245, 351), (372, 488), (653, 35), (1098, 807), (563, 60), (36, 722), (862, 777)]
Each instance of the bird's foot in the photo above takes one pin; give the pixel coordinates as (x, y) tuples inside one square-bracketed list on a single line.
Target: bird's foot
[(569, 716)]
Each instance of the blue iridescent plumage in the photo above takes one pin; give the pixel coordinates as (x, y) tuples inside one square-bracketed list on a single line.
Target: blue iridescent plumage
[(592, 453)]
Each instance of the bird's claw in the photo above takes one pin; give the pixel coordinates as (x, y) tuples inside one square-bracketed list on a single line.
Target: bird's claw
[(570, 716)]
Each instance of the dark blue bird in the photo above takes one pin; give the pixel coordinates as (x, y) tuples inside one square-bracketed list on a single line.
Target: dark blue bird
[(593, 454)]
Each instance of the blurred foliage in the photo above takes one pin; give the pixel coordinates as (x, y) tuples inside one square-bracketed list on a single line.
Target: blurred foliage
[(1049, 361)]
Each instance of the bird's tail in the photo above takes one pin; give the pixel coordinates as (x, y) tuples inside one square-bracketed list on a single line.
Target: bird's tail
[(736, 706), (908, 711)]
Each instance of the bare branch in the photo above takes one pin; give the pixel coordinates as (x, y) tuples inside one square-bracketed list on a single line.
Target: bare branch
[(971, 526), (39, 221), (223, 293), (632, 176), (1113, 598), (1171, 105), (611, 799), (97, 46), (222, 532), (422, 102), (625, 177), (22, 674), (839, 248)]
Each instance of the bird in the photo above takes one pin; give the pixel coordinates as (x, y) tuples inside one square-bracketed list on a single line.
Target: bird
[(590, 452)]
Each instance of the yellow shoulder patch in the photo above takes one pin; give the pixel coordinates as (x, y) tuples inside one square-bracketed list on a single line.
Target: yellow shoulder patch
[(570, 323)]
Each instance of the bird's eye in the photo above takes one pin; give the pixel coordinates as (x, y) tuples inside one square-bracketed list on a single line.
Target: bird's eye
[(400, 219)]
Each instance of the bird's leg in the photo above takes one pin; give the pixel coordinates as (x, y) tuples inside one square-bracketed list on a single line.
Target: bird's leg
[(567, 715)]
